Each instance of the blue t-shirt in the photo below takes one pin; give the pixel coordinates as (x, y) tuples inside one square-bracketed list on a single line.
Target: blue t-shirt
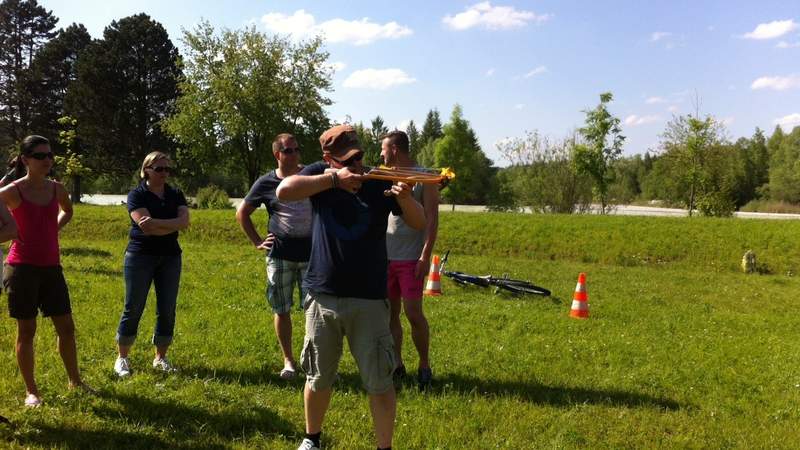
[(348, 244), (290, 222), (166, 208)]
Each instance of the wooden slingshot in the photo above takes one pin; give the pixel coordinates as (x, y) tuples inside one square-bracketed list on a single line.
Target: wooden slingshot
[(411, 175)]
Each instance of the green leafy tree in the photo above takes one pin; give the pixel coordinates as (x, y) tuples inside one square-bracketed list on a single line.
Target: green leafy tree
[(372, 148), (426, 155), (25, 27), (73, 162), (126, 84), (541, 176), (601, 146), (242, 88), (784, 174), (695, 161), (458, 149)]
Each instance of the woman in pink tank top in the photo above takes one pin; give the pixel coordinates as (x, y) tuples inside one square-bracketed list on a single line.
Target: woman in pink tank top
[(32, 276)]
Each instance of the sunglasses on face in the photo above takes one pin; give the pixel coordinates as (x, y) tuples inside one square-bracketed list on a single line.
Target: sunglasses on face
[(162, 169), (40, 156), (351, 160), (290, 150)]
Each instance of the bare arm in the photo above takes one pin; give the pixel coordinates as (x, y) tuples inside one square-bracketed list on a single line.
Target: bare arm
[(171, 225), (413, 214), (8, 229), (160, 227), (10, 196), (298, 187), (243, 214), (65, 204), (430, 195)]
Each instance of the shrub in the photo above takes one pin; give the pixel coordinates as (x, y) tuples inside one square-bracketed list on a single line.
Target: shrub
[(212, 197)]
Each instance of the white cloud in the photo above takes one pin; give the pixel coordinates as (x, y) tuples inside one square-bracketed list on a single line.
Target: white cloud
[(490, 17), (337, 66), (403, 125), (788, 122), (710, 28), (302, 25), (777, 83), (537, 71), (633, 120), (378, 79), (490, 72), (655, 100), (727, 121), (771, 30), (673, 109), (659, 35), (784, 44), (519, 106)]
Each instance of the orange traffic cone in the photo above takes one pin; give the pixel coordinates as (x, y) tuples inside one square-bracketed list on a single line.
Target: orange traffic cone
[(580, 307), (434, 286)]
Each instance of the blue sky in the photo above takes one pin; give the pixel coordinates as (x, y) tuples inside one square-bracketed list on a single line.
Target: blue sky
[(518, 66)]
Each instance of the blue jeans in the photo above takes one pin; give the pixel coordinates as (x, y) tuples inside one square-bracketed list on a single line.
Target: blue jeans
[(140, 271)]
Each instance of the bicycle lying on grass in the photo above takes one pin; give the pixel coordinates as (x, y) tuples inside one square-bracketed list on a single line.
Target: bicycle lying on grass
[(517, 287)]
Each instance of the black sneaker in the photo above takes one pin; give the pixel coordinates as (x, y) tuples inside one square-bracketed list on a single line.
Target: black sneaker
[(425, 378), (399, 376)]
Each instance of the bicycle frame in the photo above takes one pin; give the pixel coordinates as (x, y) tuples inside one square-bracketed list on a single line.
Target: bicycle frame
[(511, 285)]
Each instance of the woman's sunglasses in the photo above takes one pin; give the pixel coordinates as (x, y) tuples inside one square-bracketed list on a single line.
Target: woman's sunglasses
[(40, 156), (351, 160), (162, 169)]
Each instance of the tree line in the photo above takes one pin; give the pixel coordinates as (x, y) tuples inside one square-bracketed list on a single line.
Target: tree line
[(105, 103)]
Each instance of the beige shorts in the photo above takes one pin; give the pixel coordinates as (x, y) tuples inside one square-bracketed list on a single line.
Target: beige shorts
[(365, 322)]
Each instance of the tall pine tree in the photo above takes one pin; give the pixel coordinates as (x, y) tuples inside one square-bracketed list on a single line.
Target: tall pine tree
[(127, 83), (25, 27), (52, 73)]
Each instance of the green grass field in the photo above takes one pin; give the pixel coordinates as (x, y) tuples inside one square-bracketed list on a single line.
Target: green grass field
[(681, 350)]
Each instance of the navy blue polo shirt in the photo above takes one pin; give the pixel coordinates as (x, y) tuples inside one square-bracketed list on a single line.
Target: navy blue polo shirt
[(348, 239), (166, 208)]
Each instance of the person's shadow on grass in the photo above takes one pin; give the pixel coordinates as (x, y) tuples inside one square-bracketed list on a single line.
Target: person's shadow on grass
[(80, 438), (528, 391)]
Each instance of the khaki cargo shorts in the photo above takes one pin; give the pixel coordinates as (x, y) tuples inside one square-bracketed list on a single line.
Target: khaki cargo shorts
[(365, 323)]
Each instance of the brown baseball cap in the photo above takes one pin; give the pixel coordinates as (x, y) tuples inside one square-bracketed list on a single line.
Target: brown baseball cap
[(340, 141)]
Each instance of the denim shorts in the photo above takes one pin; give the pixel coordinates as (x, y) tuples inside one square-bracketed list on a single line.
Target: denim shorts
[(365, 323)]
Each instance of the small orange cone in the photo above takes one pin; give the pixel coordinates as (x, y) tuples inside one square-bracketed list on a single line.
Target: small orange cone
[(434, 286), (580, 307)]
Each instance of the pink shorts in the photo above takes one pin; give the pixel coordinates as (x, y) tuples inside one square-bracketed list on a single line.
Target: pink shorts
[(401, 281)]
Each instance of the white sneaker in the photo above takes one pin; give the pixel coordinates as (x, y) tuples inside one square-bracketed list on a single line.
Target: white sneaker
[(163, 365), (307, 444), (122, 367)]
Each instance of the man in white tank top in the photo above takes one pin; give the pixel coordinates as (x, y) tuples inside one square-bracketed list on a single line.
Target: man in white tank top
[(409, 253)]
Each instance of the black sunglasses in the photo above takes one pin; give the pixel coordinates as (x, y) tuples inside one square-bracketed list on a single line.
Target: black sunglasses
[(351, 160), (42, 155), (290, 150), (162, 169)]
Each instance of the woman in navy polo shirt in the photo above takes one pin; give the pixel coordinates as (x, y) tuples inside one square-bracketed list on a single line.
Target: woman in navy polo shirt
[(157, 211)]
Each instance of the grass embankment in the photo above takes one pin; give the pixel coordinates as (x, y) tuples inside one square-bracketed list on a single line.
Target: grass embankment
[(681, 349)]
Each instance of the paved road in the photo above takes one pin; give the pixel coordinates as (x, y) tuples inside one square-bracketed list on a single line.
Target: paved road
[(622, 210)]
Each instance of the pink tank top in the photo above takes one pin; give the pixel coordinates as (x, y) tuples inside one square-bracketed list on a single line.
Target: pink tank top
[(37, 233)]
